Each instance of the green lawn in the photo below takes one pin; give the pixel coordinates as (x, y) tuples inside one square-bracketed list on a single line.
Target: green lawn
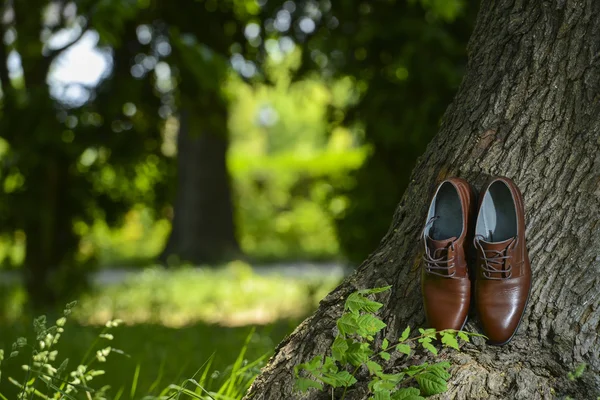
[(164, 355), (173, 321)]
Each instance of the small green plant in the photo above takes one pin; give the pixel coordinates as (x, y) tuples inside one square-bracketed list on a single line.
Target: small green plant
[(577, 372), (47, 379), (354, 348)]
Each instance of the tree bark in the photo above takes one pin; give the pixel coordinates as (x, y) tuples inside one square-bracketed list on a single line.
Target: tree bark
[(203, 227), (528, 108)]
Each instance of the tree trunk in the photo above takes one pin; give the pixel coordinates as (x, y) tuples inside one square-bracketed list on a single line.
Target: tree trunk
[(203, 228), (528, 108), (51, 241)]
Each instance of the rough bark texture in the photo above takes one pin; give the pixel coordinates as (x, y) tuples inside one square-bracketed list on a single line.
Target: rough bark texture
[(529, 109), (203, 228)]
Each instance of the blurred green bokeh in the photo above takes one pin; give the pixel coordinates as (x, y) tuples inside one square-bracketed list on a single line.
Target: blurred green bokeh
[(287, 166), (268, 134), (321, 138)]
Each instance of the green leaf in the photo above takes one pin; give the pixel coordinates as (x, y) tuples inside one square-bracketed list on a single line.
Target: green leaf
[(384, 385), (303, 384), (381, 395), (463, 336), (431, 384), (339, 348), (375, 290), (426, 343), (338, 379), (347, 378), (39, 324), (449, 340), (407, 394), (394, 378), (329, 365), (369, 325), (430, 347), (403, 348), (348, 324), (356, 302), (312, 366), (385, 355), (71, 305), (576, 374), (428, 332), (358, 353), (62, 368), (440, 369), (415, 369), (373, 367), (372, 383), (405, 334), (315, 363), (385, 344)]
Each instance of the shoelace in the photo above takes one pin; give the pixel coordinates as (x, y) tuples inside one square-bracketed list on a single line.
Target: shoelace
[(438, 262), (493, 264)]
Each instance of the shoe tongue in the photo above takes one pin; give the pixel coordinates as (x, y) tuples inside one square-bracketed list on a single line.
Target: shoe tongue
[(497, 246), (438, 244)]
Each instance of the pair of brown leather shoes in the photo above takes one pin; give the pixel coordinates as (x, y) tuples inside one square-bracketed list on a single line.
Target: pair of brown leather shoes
[(499, 275)]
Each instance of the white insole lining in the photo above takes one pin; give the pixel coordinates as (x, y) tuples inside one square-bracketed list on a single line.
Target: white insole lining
[(497, 218), (448, 213)]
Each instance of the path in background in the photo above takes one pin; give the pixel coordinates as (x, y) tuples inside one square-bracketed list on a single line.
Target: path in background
[(290, 270)]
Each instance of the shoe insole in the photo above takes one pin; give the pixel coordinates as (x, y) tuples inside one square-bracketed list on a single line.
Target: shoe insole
[(497, 219), (447, 210)]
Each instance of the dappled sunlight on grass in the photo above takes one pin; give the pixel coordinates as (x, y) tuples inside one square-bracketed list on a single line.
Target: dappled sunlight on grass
[(173, 322), (231, 296), (153, 356)]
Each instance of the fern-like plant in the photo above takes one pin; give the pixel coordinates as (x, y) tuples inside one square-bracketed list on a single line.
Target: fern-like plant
[(354, 348)]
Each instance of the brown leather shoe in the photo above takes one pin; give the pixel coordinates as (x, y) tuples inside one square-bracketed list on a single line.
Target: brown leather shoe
[(503, 279), (445, 279)]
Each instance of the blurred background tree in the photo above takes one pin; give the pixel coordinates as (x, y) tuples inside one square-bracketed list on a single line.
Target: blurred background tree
[(326, 107), (268, 130), (72, 154), (197, 132)]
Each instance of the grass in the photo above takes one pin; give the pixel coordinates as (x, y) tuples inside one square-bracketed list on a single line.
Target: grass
[(231, 296), (174, 321), (158, 355)]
